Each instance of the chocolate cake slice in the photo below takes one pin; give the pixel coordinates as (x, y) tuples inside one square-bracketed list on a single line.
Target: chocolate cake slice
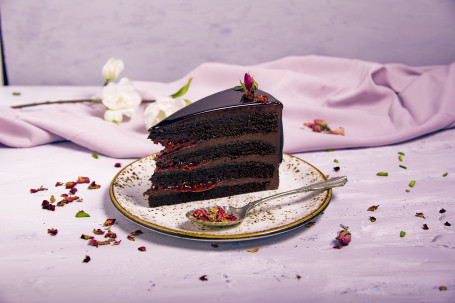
[(226, 144)]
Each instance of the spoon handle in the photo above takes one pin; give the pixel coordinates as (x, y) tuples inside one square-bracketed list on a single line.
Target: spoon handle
[(332, 182)]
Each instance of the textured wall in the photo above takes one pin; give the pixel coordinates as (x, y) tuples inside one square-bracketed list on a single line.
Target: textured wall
[(67, 42)]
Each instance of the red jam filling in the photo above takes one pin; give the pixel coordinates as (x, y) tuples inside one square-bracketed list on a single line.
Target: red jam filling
[(178, 166), (185, 187), (170, 147)]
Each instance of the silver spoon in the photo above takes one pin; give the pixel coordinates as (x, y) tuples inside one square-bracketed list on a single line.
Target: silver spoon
[(241, 212)]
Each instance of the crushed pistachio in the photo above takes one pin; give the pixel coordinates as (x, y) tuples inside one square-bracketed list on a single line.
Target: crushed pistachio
[(82, 214)]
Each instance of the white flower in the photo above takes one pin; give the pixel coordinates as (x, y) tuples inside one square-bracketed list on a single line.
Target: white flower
[(113, 115), (162, 108), (112, 69), (120, 99)]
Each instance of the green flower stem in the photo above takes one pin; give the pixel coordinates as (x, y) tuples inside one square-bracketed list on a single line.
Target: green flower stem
[(68, 101)]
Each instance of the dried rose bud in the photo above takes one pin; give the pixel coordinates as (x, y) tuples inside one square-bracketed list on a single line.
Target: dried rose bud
[(317, 128), (70, 184), (98, 231), (118, 164), (109, 222), (344, 236), (111, 235), (93, 242), (83, 179), (338, 131), (248, 80), (93, 185), (107, 242), (41, 188), (308, 124), (52, 231), (373, 208), (86, 259), (420, 215), (136, 232), (321, 123), (142, 248)]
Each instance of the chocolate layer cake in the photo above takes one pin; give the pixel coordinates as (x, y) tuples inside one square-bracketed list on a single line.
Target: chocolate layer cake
[(226, 144)]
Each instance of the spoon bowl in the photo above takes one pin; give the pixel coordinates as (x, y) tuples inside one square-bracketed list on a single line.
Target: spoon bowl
[(240, 213)]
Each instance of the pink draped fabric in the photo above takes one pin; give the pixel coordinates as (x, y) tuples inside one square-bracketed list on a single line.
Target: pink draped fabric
[(377, 104)]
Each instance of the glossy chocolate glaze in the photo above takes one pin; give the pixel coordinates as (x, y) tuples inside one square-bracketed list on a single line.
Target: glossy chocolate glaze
[(227, 99)]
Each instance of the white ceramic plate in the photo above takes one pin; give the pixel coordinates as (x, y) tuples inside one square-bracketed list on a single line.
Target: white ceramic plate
[(269, 218)]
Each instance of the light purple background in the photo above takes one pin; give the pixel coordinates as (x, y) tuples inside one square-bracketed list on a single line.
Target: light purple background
[(53, 42)]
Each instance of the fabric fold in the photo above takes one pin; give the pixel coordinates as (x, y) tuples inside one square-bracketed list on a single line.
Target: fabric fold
[(377, 104)]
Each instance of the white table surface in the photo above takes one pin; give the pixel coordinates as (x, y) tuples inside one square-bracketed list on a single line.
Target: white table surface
[(298, 266)]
